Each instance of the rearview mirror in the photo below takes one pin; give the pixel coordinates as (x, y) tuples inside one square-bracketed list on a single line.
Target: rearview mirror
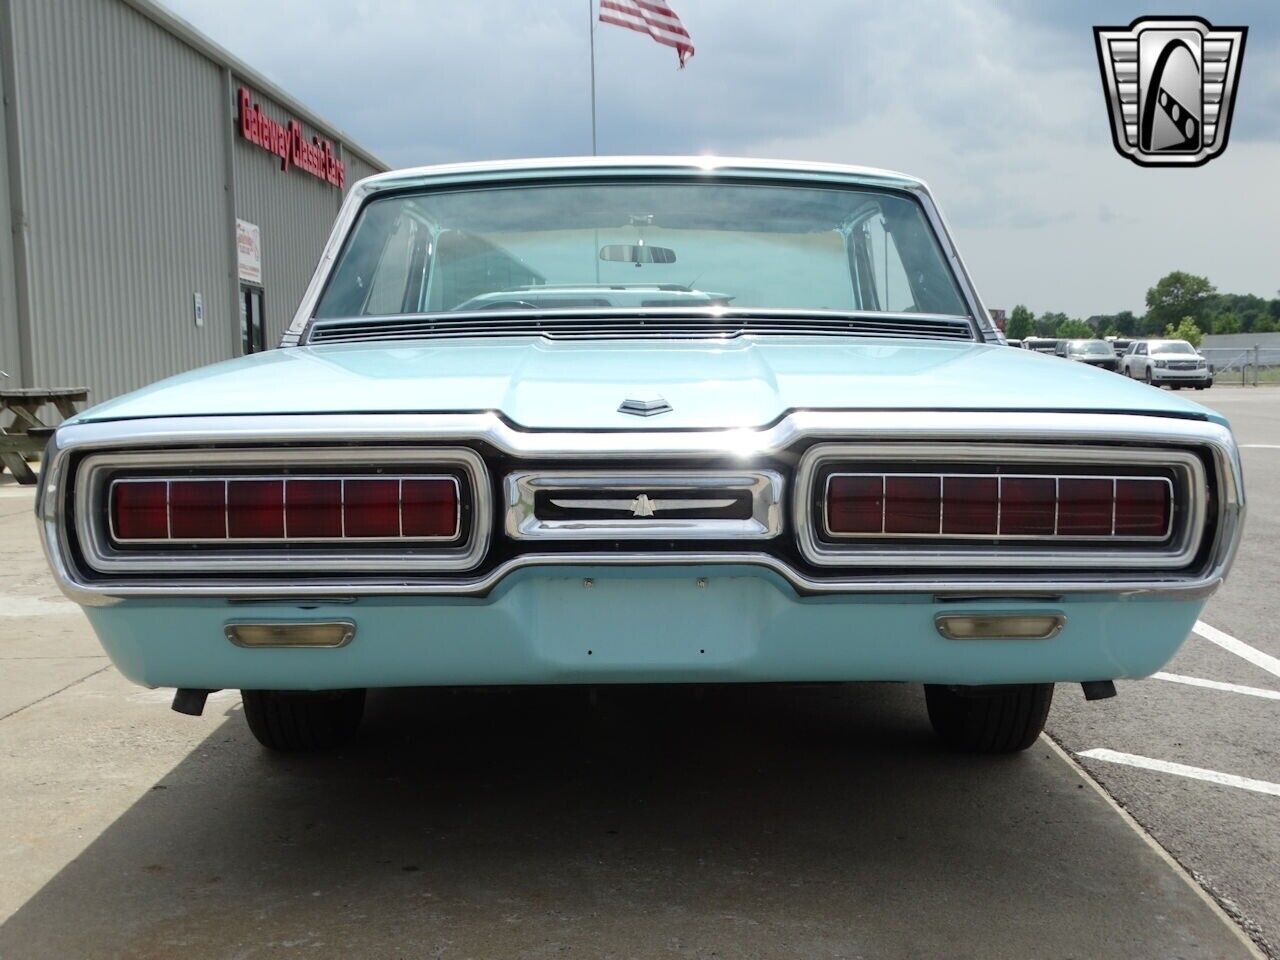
[(636, 253)]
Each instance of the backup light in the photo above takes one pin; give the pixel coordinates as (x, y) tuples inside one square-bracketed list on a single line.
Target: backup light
[(1000, 626)]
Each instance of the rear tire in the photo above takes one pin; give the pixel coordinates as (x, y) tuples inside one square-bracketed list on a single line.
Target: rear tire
[(294, 720), (1005, 720)]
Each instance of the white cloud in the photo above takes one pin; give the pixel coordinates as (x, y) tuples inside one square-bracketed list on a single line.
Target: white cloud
[(996, 102)]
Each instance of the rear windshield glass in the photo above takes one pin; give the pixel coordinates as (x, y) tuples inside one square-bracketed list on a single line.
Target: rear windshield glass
[(637, 244)]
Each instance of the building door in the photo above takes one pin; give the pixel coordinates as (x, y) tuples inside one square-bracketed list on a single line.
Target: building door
[(253, 334)]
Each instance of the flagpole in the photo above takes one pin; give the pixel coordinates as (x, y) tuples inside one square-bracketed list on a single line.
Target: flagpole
[(591, 29)]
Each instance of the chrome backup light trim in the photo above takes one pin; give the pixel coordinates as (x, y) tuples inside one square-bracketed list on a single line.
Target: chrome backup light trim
[(852, 551), (999, 626), (97, 474), (1126, 431), (1111, 537), (326, 634), (523, 522), (316, 541)]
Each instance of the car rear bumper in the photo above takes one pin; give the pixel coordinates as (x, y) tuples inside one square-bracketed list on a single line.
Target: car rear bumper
[(622, 625)]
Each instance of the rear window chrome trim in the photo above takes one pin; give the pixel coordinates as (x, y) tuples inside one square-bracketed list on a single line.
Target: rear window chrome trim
[(99, 472), (856, 552)]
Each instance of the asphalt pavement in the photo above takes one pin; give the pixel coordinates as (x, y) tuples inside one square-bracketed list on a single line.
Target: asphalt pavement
[(728, 822), (1227, 836)]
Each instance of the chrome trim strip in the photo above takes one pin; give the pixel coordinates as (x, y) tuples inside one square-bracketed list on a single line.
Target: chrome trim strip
[(1000, 478), (523, 523), (285, 479), (850, 553), (96, 477), (1126, 431)]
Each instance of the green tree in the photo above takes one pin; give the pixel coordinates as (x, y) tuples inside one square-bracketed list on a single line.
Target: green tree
[(1021, 323), (1185, 330), (1177, 295), (1263, 325), (1048, 323), (1074, 330), (1226, 323)]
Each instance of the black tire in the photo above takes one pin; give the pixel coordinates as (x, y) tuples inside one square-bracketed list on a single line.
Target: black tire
[(292, 720), (1003, 720), (1147, 378)]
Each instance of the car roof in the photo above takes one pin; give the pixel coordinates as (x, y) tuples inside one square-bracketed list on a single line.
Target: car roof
[(505, 170)]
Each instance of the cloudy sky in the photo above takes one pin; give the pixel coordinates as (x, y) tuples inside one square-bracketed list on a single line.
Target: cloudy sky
[(997, 103)]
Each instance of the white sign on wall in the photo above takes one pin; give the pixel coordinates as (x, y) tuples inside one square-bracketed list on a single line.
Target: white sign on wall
[(197, 308), (248, 251)]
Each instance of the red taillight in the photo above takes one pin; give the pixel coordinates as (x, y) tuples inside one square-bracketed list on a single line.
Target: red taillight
[(372, 508), (1028, 506), (855, 504), (1142, 508), (912, 504), (995, 506), (429, 507), (197, 510), (255, 509), (313, 509), (971, 505), (293, 508), (140, 510)]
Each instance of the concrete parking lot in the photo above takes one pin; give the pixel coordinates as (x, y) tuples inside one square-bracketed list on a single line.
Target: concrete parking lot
[(740, 822)]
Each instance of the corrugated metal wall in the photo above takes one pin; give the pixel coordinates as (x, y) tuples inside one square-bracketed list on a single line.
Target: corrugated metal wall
[(125, 164), (294, 211), (122, 156), (10, 357)]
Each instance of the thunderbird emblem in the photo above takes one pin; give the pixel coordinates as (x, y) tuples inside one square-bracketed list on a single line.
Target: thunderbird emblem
[(644, 408), (1170, 84), (642, 506)]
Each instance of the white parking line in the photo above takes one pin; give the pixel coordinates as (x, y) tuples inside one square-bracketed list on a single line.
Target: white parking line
[(1238, 647), (35, 607), (1182, 770), (1217, 685), (1262, 446)]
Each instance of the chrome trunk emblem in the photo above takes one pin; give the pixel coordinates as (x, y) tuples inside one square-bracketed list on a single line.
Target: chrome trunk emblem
[(644, 408), (642, 506)]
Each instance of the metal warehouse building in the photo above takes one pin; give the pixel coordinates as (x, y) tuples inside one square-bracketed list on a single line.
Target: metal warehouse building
[(167, 203)]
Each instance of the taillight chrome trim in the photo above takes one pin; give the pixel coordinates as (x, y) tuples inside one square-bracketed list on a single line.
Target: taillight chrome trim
[(1111, 537), (99, 472), (285, 479), (927, 550)]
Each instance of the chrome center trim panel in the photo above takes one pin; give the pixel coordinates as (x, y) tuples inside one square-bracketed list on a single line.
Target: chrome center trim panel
[(851, 553), (660, 490), (1129, 431)]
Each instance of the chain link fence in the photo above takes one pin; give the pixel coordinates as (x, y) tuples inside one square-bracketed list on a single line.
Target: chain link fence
[(1247, 366)]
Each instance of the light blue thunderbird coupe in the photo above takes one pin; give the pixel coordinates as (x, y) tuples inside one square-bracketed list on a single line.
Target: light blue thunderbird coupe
[(637, 420)]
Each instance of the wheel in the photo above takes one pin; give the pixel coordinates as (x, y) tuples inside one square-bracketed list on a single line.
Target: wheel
[(302, 719), (1147, 377), (1001, 720), (1200, 386)]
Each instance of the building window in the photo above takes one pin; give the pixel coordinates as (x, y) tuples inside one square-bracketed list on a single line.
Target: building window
[(253, 334)]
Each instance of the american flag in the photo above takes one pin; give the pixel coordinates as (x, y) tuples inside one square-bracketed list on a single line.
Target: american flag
[(652, 17)]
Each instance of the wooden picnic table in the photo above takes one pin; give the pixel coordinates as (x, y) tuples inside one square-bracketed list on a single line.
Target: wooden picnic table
[(27, 434)]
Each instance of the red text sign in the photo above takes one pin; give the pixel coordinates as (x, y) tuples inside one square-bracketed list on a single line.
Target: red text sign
[(289, 143)]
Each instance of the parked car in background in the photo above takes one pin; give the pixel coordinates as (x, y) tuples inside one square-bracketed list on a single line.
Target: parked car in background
[(1096, 353), (1014, 342), (1175, 363), (837, 473), (1120, 345), (1041, 344)]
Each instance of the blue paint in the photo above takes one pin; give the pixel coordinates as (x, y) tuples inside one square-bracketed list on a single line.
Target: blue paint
[(546, 384), (636, 626)]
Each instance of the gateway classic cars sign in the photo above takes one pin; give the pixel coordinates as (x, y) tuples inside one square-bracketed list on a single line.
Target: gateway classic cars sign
[(289, 143)]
